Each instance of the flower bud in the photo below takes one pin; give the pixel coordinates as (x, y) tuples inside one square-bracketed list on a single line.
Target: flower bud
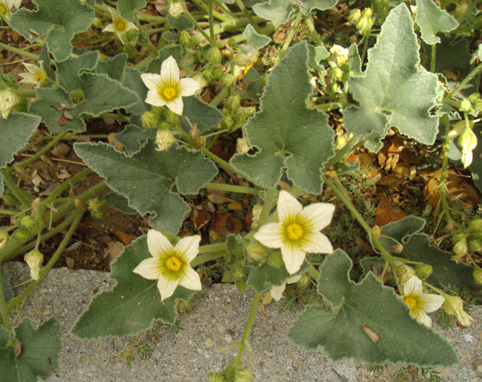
[(336, 74), (478, 275), (216, 377), (257, 251), (339, 54), (460, 249), (256, 213), (214, 55), (454, 306), (9, 199), (208, 74), (196, 137), (405, 273), (34, 260), (97, 23), (475, 225), (149, 120), (475, 245), (354, 16), (233, 102), (3, 238), (466, 106), (96, 208), (164, 140), (423, 271), (217, 73), (303, 282), (8, 100), (22, 234), (242, 146), (458, 129), (184, 38), (243, 375), (176, 9), (228, 80), (365, 23), (29, 223), (467, 141)]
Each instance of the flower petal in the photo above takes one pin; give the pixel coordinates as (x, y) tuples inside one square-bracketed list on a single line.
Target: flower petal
[(189, 247), (158, 243), (317, 243), (109, 28), (293, 258), (170, 70), (277, 291), (288, 206), (151, 80), (190, 280), (319, 215), (431, 302), (189, 87), (421, 316), (413, 286), (270, 235), (131, 25), (166, 287), (176, 105), (154, 99), (148, 268)]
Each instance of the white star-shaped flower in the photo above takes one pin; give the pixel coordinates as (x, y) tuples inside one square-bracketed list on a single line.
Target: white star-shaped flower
[(170, 265), (119, 25), (167, 89), (419, 302), (35, 75), (298, 231)]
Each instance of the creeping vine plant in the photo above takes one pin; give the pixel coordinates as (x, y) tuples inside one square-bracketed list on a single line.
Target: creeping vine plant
[(393, 76)]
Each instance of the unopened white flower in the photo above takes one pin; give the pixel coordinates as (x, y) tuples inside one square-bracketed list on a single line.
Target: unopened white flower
[(419, 302), (8, 100), (298, 231), (242, 145), (454, 306), (34, 260), (468, 142), (340, 54), (170, 265), (35, 75), (277, 291), (164, 140), (167, 89), (119, 25), (176, 9)]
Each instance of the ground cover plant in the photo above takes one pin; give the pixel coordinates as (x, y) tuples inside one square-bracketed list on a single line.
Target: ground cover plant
[(329, 144)]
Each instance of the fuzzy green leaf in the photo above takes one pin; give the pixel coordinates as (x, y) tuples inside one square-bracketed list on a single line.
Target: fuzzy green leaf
[(363, 309), (15, 131), (58, 20), (40, 351), (127, 8), (278, 11), (134, 137), (255, 40), (151, 180), (132, 305), (198, 112), (433, 20), (394, 91), (286, 133)]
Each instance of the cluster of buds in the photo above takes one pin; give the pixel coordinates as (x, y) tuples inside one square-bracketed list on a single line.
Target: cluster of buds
[(362, 20), (466, 241)]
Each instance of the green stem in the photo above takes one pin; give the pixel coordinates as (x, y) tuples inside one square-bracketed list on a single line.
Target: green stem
[(201, 259), (248, 15), (24, 198), (311, 28), (443, 175), (3, 307), (338, 190), (200, 4), (219, 97), (247, 329), (232, 188), (77, 218), (198, 27), (291, 34), (466, 80), (47, 148), (9, 212), (268, 204), (433, 58), (365, 48), (345, 151), (19, 51), (211, 23)]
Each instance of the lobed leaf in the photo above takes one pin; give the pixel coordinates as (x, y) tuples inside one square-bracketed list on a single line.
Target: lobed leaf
[(433, 20), (367, 322)]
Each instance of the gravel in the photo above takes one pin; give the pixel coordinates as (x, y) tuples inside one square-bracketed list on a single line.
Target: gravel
[(217, 320)]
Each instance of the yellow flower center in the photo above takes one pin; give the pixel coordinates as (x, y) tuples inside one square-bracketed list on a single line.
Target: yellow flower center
[(173, 263), (410, 301), (169, 93), (294, 231), (120, 26), (3, 9)]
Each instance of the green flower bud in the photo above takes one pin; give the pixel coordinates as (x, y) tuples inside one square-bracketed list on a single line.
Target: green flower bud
[(96, 208), (303, 282), (184, 38), (227, 122), (243, 375), (228, 80), (422, 271), (460, 249), (365, 23), (478, 275), (3, 238), (336, 74), (172, 118), (217, 73), (239, 119), (466, 106), (97, 23), (233, 102), (257, 251), (29, 223), (214, 55), (467, 141), (208, 74), (9, 199), (216, 377), (34, 260), (475, 245), (475, 225), (22, 234), (149, 120), (275, 259), (354, 16)]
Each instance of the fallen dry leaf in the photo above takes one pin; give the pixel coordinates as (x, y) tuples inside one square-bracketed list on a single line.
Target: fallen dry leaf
[(387, 212)]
